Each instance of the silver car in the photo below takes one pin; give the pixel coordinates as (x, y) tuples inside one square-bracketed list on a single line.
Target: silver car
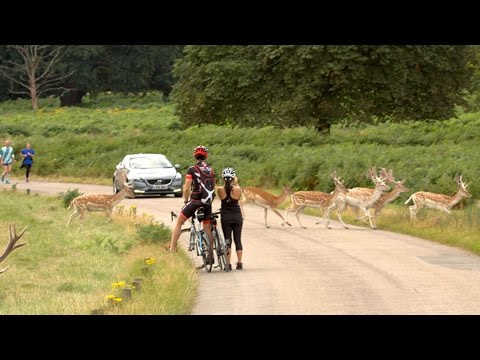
[(152, 174)]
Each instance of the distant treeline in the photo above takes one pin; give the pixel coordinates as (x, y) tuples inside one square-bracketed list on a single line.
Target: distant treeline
[(124, 69), (284, 86)]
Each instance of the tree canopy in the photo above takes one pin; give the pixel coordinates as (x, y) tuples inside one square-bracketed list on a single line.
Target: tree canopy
[(316, 85), (94, 68)]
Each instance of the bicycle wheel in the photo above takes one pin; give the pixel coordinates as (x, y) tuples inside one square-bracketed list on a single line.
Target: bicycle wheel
[(205, 251), (221, 250), (191, 242)]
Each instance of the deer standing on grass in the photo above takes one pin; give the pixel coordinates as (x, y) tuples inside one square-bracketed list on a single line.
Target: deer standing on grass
[(316, 199), (362, 200), (385, 197), (100, 202), (265, 200), (12, 243), (437, 201)]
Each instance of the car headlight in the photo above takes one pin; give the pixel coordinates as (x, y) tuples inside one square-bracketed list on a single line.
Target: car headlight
[(178, 177)]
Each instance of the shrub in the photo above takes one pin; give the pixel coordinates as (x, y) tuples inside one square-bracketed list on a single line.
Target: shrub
[(68, 196), (154, 233)]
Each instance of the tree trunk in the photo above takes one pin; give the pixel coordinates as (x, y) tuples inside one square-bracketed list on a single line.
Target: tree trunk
[(33, 95), (72, 98), (323, 126)]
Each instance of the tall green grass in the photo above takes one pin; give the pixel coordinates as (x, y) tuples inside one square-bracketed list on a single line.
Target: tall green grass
[(88, 141), (460, 228)]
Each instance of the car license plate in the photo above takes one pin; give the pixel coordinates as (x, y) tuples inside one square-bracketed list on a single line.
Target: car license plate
[(159, 187)]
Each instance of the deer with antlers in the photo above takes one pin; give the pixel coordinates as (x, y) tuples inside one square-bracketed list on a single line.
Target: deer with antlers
[(100, 202), (385, 197), (12, 243), (316, 199), (265, 200), (434, 201), (362, 200)]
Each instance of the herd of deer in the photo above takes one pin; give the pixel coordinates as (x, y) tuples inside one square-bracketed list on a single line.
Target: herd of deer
[(357, 199)]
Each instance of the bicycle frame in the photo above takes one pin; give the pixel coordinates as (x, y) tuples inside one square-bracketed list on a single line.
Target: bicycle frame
[(198, 240)]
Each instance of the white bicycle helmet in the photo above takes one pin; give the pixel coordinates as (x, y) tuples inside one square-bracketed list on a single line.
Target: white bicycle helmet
[(228, 173)]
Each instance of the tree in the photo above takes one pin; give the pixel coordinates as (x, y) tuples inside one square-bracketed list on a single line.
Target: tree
[(289, 86), (91, 67), (34, 69), (118, 68)]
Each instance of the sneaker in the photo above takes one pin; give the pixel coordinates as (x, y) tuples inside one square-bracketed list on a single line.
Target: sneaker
[(239, 266)]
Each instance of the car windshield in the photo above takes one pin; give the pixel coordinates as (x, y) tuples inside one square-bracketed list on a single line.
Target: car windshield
[(149, 163)]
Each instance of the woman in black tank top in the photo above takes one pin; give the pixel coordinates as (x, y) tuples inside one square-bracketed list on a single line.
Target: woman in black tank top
[(231, 214)]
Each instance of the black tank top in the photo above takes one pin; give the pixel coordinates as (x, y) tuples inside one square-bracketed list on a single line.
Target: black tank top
[(229, 205)]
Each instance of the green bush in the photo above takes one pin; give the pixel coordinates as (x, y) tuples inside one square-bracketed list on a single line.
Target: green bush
[(154, 233), (68, 196)]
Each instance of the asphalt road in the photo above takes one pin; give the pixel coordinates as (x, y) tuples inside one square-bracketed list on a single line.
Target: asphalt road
[(290, 270)]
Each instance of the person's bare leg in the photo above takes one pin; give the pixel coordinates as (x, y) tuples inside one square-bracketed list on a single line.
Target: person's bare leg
[(177, 229), (229, 255), (5, 170), (239, 256), (208, 231), (7, 174)]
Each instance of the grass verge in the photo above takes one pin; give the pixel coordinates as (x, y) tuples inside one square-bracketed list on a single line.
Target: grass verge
[(71, 270)]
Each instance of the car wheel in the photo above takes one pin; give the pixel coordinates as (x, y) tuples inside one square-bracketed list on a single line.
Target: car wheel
[(178, 194)]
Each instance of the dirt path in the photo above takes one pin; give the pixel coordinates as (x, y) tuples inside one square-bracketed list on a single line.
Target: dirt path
[(317, 271)]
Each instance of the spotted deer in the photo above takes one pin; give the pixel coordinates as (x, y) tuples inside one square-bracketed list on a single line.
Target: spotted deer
[(316, 199), (434, 201), (12, 243), (100, 202), (385, 197), (265, 200), (362, 200)]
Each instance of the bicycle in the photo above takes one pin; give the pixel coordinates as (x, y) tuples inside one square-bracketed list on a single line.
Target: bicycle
[(199, 240), (219, 245)]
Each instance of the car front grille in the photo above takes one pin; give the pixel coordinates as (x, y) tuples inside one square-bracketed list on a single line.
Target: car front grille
[(159, 181)]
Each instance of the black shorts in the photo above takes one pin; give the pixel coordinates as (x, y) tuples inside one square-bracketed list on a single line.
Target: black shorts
[(189, 209)]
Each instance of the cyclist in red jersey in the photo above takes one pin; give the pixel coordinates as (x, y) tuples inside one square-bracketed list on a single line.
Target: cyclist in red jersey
[(194, 198)]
